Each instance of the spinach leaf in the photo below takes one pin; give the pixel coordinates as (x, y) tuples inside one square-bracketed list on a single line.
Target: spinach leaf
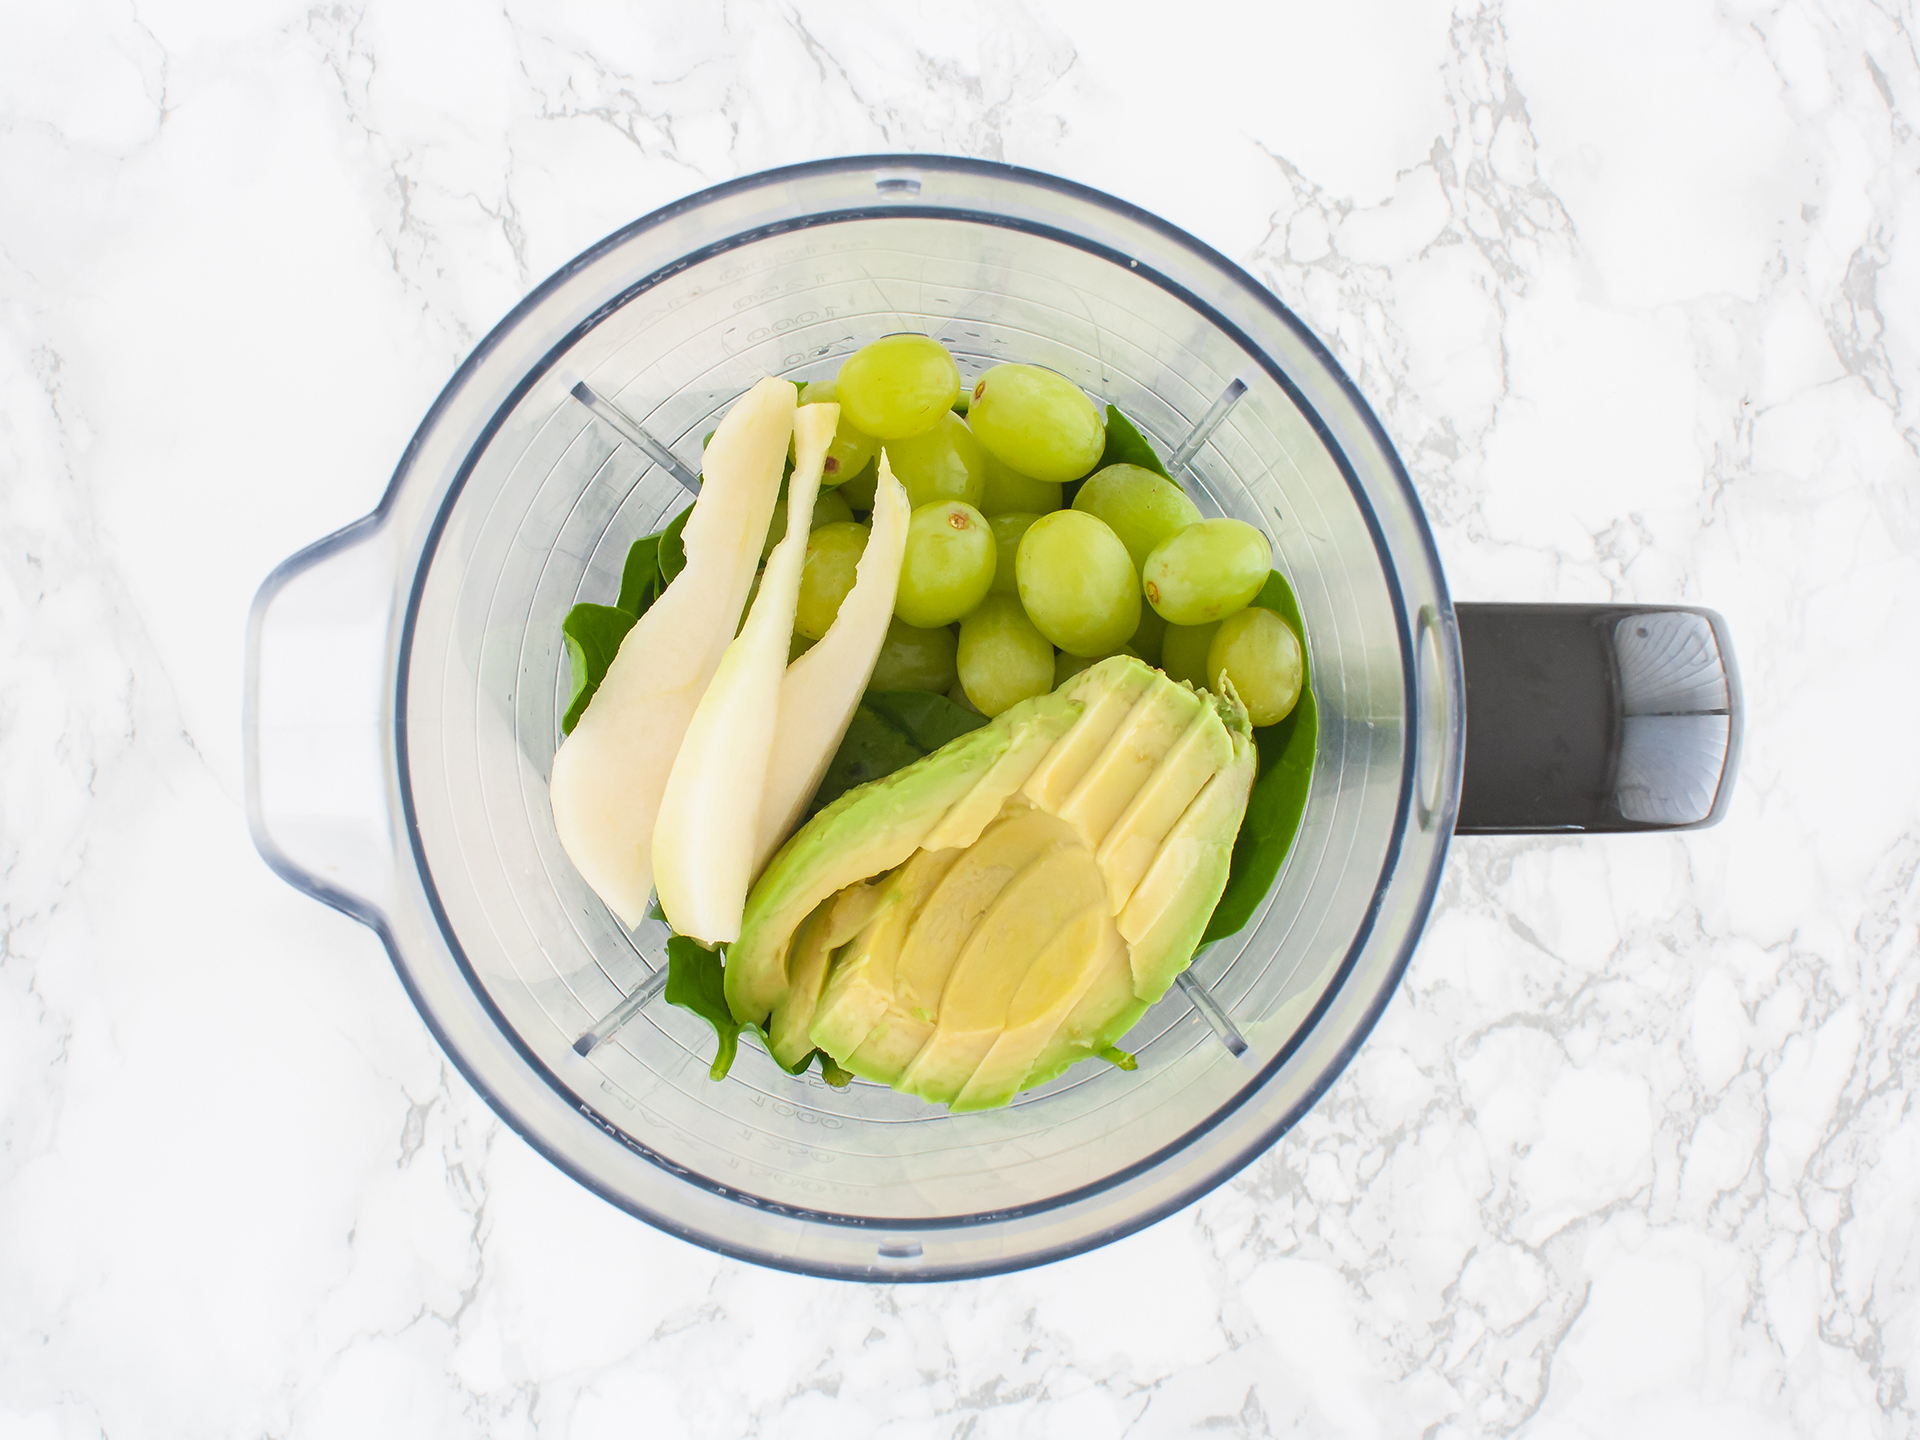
[(673, 552), (695, 982), (593, 634), (640, 577), (872, 748), (891, 730), (1127, 446), (1279, 797), (928, 720)]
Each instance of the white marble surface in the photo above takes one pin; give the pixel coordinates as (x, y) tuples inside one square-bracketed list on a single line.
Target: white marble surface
[(1634, 286)]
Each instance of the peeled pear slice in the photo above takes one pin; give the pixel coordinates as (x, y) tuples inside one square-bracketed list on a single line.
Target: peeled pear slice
[(822, 688), (609, 775), (703, 843)]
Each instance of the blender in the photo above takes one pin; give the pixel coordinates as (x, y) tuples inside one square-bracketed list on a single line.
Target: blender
[(406, 678)]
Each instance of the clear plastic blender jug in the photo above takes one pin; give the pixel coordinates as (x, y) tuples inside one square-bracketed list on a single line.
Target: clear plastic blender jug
[(406, 678)]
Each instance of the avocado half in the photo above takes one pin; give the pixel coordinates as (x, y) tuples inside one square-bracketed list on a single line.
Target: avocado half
[(969, 926)]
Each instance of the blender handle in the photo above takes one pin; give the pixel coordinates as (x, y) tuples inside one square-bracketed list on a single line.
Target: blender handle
[(316, 748), (1596, 718)]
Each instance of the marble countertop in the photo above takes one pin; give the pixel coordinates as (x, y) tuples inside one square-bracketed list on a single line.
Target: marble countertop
[(1635, 290)]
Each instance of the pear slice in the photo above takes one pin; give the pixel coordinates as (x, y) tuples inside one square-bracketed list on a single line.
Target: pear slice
[(822, 688), (703, 843), (609, 775)]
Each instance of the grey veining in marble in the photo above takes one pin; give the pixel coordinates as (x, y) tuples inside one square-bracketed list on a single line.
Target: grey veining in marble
[(1635, 288)]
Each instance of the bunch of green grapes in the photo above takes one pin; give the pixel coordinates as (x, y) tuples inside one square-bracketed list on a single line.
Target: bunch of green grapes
[(1026, 560)]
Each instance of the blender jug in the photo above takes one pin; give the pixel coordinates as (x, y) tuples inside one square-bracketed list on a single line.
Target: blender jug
[(407, 675)]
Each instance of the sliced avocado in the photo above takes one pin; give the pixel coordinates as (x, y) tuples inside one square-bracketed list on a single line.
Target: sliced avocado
[(869, 830), (1130, 758), (860, 987), (975, 923), (1026, 920), (1135, 838), (1031, 735), (1105, 1011), (1107, 691), (945, 922), (787, 1036), (1168, 911), (1055, 983)]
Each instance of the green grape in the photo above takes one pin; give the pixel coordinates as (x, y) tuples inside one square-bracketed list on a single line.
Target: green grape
[(1142, 508), (1261, 655), (915, 659), (861, 491), (1037, 423), (1183, 652), (948, 565), (828, 507), (1066, 666), (897, 386), (1206, 572), (797, 646), (833, 553), (944, 463), (1007, 530), (958, 694), (1002, 658), (1149, 638), (1078, 583), (1007, 490), (850, 449)]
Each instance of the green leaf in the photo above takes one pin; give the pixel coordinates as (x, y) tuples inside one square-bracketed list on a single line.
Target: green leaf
[(593, 634), (891, 730), (872, 747), (695, 982), (1279, 797), (928, 720), (673, 552), (1127, 446), (640, 577), (1118, 1058)]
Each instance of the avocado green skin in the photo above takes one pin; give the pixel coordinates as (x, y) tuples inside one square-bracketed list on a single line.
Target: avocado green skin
[(1205, 834), (870, 829), (876, 827), (867, 831)]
